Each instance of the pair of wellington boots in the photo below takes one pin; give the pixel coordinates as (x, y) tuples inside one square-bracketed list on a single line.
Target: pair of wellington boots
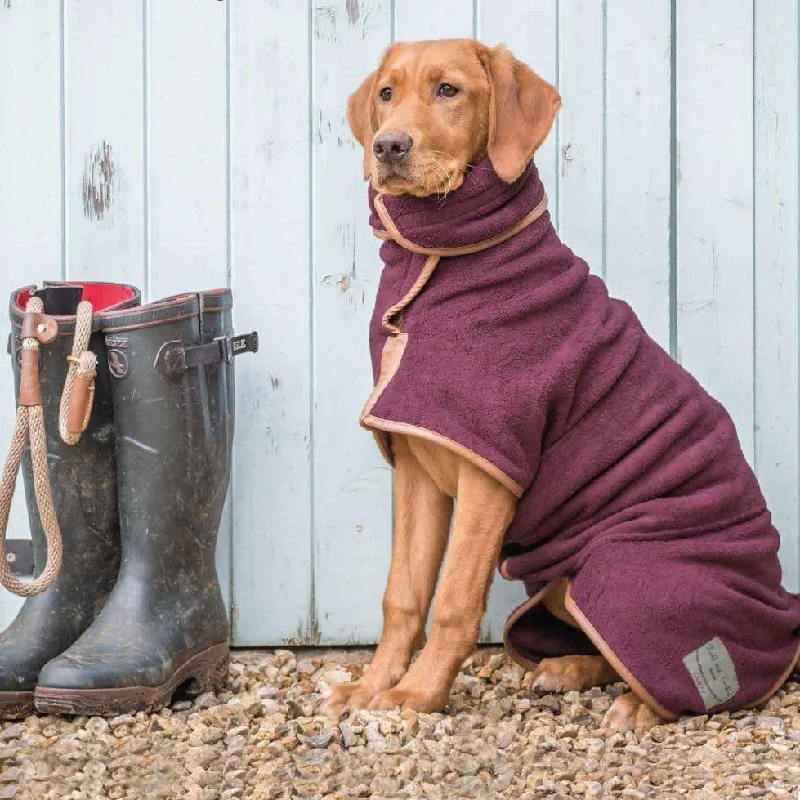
[(136, 610)]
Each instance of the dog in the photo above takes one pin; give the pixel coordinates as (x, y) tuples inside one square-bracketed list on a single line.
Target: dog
[(439, 122)]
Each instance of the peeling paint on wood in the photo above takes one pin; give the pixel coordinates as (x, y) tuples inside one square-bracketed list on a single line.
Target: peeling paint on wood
[(307, 635), (99, 183), (353, 11), (325, 23)]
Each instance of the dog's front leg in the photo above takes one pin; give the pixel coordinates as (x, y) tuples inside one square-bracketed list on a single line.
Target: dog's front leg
[(484, 510), (422, 521)]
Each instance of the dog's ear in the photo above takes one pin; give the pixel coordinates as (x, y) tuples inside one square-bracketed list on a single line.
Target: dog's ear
[(361, 116), (522, 107)]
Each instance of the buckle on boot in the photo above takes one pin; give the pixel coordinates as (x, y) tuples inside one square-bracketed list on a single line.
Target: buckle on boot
[(231, 346), (174, 359)]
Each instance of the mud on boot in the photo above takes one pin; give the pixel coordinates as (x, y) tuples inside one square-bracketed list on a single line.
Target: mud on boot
[(83, 481), (165, 624)]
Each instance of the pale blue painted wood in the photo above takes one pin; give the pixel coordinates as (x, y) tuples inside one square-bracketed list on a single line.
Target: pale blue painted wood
[(715, 202), (776, 269), (104, 114), (187, 147), (581, 132), (187, 165), (30, 189), (270, 226), (352, 496), (422, 19), (638, 167)]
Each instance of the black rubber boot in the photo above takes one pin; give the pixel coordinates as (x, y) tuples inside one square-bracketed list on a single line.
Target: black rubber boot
[(83, 480), (165, 625)]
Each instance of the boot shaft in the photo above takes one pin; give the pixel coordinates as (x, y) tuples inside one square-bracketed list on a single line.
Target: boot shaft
[(173, 390), (83, 475)]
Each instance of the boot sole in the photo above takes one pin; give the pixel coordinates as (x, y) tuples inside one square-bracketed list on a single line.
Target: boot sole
[(206, 671), (16, 705)]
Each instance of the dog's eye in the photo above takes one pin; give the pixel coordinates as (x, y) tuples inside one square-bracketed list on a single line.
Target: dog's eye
[(386, 94), (447, 90)]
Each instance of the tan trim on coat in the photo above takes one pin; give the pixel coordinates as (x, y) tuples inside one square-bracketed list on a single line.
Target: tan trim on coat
[(419, 285), (784, 677), (516, 614), (407, 429), (394, 234), (600, 643), (390, 361)]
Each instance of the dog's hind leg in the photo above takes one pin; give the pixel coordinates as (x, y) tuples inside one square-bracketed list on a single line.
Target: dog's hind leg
[(572, 673), (629, 713), (422, 522)]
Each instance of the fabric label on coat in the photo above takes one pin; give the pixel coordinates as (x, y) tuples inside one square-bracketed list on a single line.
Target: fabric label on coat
[(713, 672)]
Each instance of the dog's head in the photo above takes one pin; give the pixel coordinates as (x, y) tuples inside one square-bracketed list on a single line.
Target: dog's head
[(432, 109)]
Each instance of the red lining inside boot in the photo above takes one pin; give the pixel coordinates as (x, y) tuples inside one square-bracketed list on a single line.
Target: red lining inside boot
[(100, 295)]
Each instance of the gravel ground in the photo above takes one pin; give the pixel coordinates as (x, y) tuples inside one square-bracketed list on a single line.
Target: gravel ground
[(260, 739)]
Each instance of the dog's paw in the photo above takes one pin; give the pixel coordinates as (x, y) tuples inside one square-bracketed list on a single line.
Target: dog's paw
[(345, 697), (629, 713), (407, 699), (572, 674)]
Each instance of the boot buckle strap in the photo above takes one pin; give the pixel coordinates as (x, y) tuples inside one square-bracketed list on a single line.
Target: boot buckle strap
[(174, 359), (231, 346)]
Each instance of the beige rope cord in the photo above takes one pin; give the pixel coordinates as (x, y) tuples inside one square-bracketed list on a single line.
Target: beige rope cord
[(79, 385), (30, 427)]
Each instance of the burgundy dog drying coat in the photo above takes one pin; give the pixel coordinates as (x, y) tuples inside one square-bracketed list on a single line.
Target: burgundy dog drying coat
[(491, 337)]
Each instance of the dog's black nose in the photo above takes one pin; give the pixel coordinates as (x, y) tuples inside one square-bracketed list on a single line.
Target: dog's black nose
[(391, 147)]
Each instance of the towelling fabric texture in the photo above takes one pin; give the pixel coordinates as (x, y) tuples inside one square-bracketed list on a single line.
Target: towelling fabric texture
[(631, 481)]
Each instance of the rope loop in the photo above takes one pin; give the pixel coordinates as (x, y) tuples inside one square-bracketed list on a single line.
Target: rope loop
[(30, 427)]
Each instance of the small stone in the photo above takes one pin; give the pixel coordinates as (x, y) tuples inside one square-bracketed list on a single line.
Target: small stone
[(550, 701), (322, 739), (97, 726), (11, 775), (207, 700), (213, 735), (349, 738), (204, 755), (11, 732)]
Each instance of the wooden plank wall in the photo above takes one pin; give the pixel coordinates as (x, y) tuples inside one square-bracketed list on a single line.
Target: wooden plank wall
[(673, 168)]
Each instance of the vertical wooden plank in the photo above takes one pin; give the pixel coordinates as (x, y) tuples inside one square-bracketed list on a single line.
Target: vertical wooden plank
[(187, 163), (30, 188), (582, 128), (638, 168), (352, 519), (421, 19), (715, 202), (272, 557), (187, 147), (776, 270), (536, 45), (104, 98)]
